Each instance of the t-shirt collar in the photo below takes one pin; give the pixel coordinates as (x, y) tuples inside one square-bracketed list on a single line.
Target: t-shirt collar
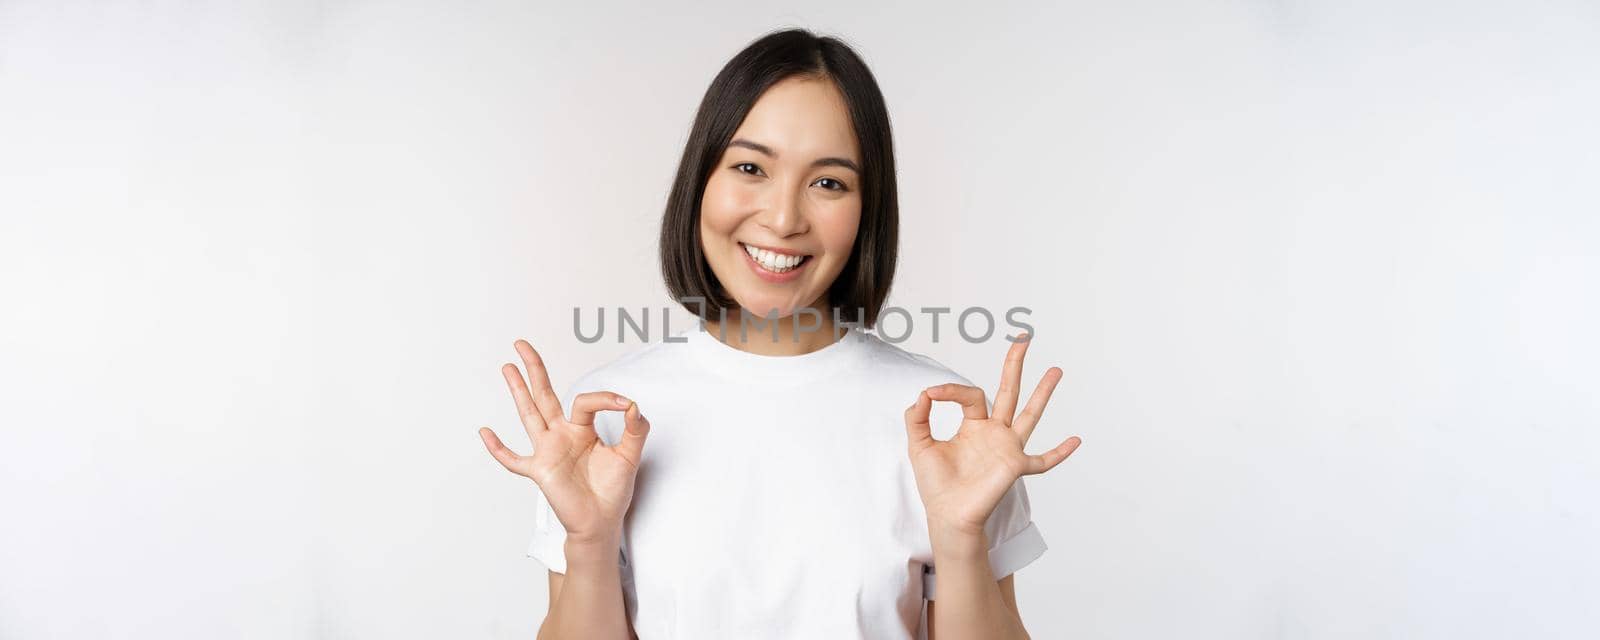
[(743, 365)]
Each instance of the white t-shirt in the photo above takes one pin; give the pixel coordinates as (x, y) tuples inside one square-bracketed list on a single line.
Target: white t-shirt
[(775, 498)]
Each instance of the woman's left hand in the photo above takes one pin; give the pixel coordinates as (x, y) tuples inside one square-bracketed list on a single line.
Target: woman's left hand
[(963, 478)]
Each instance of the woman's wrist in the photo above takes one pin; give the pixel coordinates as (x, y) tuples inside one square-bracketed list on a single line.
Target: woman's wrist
[(953, 528), (592, 552), (957, 542)]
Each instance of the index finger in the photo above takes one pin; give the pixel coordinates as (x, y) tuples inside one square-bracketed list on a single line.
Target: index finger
[(970, 398)]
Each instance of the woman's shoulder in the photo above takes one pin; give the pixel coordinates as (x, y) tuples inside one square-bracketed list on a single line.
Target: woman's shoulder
[(919, 369), (648, 361)]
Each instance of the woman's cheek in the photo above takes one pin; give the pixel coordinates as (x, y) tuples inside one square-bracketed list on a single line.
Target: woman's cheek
[(723, 203), (843, 221)]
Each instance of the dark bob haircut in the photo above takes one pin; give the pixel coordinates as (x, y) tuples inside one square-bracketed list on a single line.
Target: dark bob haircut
[(861, 287)]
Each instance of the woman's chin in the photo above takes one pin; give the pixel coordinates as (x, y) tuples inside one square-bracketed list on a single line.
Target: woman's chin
[(767, 308), (767, 311)]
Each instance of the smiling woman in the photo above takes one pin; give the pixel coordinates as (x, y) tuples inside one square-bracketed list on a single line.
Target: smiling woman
[(788, 490)]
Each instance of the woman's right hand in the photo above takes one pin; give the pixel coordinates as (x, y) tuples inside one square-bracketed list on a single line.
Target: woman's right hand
[(588, 484)]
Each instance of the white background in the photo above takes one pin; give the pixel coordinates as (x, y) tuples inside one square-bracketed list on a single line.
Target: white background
[(1322, 277)]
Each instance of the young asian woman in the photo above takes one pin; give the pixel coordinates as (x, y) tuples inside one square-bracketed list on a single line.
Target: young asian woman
[(788, 490)]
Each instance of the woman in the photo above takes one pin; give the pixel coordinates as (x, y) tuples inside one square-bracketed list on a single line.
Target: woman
[(788, 490)]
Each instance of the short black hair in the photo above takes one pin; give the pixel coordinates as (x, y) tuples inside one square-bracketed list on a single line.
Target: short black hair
[(858, 292)]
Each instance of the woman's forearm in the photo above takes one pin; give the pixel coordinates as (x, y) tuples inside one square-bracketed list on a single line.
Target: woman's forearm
[(589, 604), (969, 602)]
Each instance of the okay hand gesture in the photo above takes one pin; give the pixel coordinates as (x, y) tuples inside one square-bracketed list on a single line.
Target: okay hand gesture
[(962, 479), (588, 484)]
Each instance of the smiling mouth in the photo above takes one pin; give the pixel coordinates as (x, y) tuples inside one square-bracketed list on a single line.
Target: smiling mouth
[(774, 261)]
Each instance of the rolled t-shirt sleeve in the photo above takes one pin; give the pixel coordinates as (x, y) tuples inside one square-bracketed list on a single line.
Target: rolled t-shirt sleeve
[(548, 545), (1014, 539)]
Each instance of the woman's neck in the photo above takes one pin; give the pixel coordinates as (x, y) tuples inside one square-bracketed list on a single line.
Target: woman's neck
[(779, 337)]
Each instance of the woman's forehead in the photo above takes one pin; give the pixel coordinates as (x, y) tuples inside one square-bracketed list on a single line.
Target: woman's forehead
[(803, 117)]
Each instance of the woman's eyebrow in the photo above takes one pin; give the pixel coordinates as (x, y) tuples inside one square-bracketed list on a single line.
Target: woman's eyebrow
[(820, 162)]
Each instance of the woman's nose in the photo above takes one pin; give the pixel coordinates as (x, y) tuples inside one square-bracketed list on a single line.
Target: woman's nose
[(786, 216)]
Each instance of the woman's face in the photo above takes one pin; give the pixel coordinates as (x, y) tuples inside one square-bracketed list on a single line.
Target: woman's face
[(781, 208)]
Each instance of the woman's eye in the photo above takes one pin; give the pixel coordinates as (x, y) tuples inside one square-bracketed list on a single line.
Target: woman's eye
[(754, 170), (838, 186)]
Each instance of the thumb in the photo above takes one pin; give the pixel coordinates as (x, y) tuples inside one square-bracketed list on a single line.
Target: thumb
[(636, 429), (919, 434)]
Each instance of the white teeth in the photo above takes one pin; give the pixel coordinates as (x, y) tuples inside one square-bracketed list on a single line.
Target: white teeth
[(774, 262)]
